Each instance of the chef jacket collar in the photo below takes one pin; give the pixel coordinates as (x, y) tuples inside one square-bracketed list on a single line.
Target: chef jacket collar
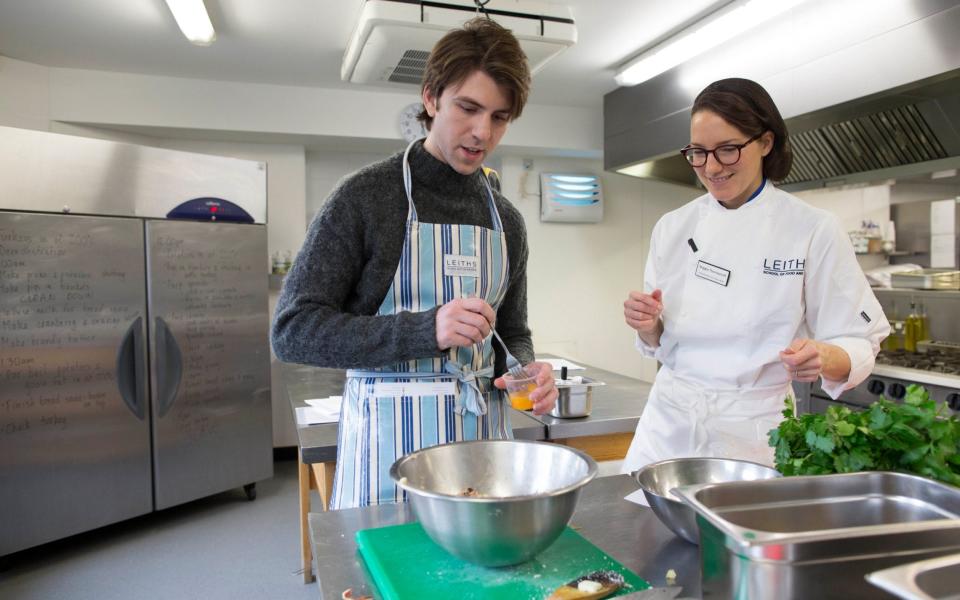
[(756, 200)]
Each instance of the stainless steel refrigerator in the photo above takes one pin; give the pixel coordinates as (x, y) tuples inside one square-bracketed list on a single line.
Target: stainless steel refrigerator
[(134, 357)]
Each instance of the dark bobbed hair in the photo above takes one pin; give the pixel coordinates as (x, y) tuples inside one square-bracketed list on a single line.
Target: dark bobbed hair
[(748, 107), (480, 45)]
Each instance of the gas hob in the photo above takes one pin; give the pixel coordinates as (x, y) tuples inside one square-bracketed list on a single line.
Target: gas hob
[(937, 369), (933, 360)]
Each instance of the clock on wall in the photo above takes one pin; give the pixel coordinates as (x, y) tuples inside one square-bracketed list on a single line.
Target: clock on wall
[(410, 128)]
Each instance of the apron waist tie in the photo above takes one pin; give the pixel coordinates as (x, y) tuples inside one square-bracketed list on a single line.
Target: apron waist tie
[(470, 398), (698, 401)]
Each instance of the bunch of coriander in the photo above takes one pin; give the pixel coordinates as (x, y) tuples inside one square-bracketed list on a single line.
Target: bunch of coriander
[(915, 437)]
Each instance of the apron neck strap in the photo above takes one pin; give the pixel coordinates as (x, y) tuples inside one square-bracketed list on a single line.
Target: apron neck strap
[(412, 210)]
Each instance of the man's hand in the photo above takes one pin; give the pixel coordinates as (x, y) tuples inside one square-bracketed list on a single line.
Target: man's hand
[(464, 322), (544, 397)]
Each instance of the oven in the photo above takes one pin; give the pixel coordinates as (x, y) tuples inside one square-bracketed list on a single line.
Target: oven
[(936, 367)]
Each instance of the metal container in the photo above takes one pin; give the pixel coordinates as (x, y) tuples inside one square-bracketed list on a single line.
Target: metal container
[(927, 279), (526, 494), (818, 536), (659, 478), (934, 579), (575, 398)]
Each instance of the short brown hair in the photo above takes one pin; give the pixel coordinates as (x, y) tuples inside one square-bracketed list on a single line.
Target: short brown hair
[(481, 44), (748, 107)]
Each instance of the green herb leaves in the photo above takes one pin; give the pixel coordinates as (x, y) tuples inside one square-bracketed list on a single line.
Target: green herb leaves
[(915, 436)]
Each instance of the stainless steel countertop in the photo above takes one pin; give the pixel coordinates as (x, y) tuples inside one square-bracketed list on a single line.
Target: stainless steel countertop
[(616, 406), (628, 532), (616, 409), (917, 376)]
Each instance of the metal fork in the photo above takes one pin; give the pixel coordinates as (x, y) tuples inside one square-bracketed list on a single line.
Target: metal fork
[(514, 367)]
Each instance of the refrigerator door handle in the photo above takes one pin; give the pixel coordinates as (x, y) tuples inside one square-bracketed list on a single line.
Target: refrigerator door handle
[(130, 369), (169, 366)]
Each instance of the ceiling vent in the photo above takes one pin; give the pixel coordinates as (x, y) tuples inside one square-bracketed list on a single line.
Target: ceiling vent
[(393, 38)]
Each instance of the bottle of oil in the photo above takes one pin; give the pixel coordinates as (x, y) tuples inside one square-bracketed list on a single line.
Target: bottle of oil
[(924, 323), (911, 329), (892, 343)]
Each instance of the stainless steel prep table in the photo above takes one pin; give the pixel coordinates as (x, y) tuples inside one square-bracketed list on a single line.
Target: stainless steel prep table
[(628, 532), (616, 406), (607, 432), (317, 451)]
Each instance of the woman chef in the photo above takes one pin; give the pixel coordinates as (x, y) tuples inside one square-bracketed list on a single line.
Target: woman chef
[(746, 289)]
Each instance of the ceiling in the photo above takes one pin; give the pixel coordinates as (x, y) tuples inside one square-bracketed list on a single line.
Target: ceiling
[(301, 42)]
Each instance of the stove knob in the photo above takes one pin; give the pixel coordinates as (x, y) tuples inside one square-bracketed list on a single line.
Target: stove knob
[(953, 401), (897, 391), (875, 387)]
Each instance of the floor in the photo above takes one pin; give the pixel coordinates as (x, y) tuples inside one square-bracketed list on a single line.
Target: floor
[(222, 547)]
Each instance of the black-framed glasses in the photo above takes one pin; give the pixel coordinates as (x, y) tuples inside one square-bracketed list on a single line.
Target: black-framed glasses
[(727, 154)]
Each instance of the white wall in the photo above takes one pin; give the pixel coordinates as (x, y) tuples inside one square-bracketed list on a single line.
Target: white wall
[(24, 93), (579, 274), (325, 169), (31, 96), (852, 206)]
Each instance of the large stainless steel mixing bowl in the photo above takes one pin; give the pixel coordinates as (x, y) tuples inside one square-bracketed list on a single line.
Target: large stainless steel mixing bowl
[(657, 479), (527, 494)]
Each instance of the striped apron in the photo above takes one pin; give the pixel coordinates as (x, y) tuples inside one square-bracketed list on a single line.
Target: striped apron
[(392, 411)]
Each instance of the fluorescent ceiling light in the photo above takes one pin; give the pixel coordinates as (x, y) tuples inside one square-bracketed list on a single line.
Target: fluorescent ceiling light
[(721, 26), (194, 22)]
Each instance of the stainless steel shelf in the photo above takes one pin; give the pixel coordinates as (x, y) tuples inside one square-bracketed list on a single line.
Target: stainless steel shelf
[(879, 291)]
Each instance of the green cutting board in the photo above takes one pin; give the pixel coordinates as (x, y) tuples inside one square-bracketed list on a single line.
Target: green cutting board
[(404, 563)]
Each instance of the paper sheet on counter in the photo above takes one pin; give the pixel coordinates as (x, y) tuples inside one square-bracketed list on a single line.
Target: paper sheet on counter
[(319, 410), (556, 363), (637, 497)]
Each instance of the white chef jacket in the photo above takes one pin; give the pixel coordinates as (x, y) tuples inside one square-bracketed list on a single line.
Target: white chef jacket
[(738, 287)]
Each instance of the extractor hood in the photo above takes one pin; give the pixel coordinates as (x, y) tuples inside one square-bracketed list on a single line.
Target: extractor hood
[(845, 127)]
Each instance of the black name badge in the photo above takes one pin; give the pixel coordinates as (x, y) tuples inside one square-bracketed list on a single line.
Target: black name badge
[(713, 273)]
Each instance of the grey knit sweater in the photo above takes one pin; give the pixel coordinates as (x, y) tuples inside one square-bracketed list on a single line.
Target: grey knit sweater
[(326, 314)]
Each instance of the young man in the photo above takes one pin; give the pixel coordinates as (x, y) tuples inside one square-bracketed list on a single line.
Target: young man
[(410, 264)]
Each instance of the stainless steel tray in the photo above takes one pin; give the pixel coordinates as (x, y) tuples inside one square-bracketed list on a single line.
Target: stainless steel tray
[(818, 536), (934, 579), (574, 399), (927, 279)]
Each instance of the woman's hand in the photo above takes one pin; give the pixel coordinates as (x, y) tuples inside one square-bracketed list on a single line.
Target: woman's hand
[(544, 397), (802, 360), (642, 313), (807, 360)]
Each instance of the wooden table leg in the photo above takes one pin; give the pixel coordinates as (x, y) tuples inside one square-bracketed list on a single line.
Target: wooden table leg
[(307, 553), (323, 477)]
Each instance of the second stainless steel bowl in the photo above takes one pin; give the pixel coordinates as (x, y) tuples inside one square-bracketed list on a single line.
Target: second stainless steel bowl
[(657, 479), (525, 495)]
